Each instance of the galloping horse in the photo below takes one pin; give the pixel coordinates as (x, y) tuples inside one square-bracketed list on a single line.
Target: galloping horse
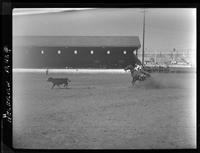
[(137, 73)]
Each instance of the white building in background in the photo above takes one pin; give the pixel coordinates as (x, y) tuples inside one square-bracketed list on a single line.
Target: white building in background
[(180, 57)]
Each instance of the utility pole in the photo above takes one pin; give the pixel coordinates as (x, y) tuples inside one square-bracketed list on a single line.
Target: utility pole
[(143, 38)]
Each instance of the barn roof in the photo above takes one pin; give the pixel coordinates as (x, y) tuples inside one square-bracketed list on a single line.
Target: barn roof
[(77, 41)]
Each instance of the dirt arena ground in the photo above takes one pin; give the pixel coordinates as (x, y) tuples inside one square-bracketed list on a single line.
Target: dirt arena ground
[(100, 111)]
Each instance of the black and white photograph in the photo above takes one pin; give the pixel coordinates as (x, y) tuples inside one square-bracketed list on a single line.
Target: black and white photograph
[(104, 78)]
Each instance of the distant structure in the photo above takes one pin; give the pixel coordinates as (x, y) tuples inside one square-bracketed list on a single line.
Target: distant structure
[(75, 51), (173, 61), (47, 71)]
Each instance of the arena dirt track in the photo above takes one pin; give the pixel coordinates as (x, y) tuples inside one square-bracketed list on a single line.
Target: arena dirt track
[(101, 111)]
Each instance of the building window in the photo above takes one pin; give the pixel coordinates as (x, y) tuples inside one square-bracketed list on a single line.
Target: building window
[(124, 52), (75, 52), (108, 52), (91, 52), (42, 52), (59, 52)]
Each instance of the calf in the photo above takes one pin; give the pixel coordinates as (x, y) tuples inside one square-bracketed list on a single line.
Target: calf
[(59, 81)]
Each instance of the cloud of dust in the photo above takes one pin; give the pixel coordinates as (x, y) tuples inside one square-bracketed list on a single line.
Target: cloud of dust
[(163, 82)]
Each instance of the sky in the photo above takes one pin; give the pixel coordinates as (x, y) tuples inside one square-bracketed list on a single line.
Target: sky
[(165, 28)]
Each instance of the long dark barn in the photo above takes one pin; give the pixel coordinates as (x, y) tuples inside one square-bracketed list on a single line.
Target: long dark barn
[(75, 51)]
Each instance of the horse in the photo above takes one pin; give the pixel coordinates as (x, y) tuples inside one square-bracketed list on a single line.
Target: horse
[(137, 73)]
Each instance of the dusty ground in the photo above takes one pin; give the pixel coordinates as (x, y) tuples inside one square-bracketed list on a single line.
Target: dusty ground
[(100, 111)]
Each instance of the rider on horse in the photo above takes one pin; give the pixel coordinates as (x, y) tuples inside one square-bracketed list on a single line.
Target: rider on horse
[(140, 71), (137, 73)]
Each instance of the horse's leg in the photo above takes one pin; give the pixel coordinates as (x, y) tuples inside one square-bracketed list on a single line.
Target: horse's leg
[(53, 86), (133, 82), (66, 85)]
